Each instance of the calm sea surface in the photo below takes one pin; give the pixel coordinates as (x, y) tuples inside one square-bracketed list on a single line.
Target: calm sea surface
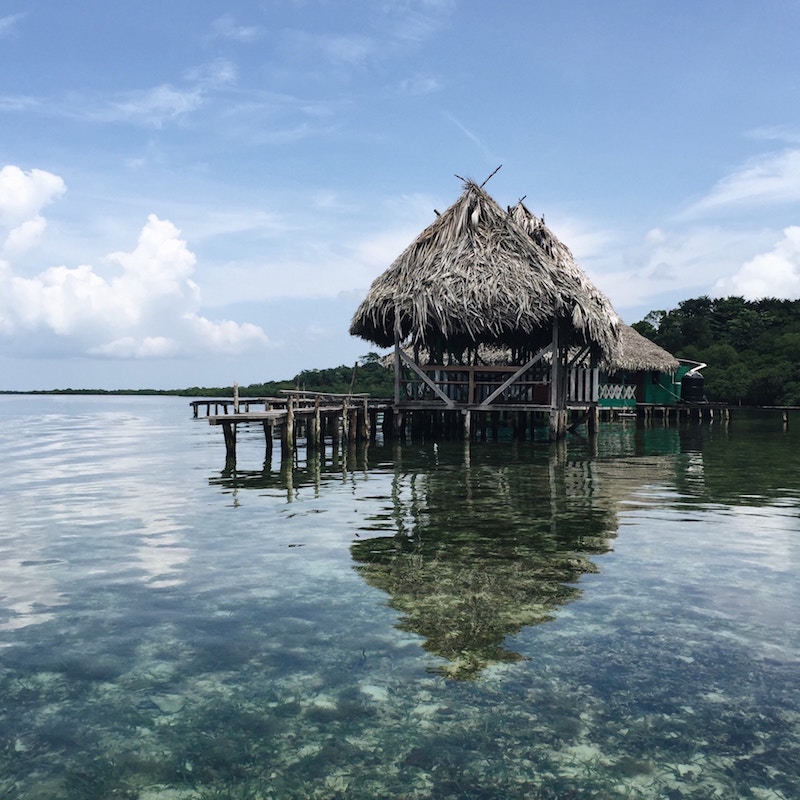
[(609, 620)]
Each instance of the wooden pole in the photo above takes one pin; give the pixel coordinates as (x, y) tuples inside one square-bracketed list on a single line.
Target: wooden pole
[(345, 422), (288, 430), (317, 426), (268, 441), (365, 420), (229, 432)]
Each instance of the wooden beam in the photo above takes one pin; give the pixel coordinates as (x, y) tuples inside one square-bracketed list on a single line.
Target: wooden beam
[(408, 362), (518, 374), (397, 352)]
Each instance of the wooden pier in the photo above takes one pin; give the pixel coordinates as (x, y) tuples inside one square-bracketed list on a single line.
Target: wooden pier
[(319, 419), (313, 415), (342, 419)]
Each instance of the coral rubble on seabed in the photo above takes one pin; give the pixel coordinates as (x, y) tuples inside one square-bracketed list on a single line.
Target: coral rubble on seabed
[(359, 728)]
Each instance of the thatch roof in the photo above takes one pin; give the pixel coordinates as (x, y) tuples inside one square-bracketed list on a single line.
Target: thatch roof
[(636, 352), (594, 313), (473, 277)]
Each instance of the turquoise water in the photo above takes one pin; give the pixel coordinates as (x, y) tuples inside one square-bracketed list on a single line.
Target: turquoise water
[(615, 619)]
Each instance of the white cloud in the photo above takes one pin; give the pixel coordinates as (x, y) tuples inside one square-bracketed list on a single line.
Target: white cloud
[(24, 194), (130, 347), (24, 236), (165, 103), (768, 179), (154, 106), (214, 75), (772, 274), (415, 22), (682, 262), (141, 304)]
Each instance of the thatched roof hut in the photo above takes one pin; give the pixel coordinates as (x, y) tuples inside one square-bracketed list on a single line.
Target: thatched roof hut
[(595, 313), (635, 352), (476, 277)]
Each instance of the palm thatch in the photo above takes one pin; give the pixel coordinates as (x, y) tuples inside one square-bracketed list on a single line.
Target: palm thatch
[(635, 352), (594, 313), (475, 277)]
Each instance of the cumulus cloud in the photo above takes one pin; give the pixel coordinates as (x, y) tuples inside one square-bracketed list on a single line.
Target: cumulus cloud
[(142, 303), (24, 194), (22, 197), (775, 273)]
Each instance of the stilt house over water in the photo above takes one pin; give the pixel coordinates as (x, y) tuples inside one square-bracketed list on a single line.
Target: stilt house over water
[(639, 373), (478, 280)]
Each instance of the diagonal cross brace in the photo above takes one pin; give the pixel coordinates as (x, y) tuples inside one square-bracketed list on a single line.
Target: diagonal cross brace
[(410, 363), (521, 371)]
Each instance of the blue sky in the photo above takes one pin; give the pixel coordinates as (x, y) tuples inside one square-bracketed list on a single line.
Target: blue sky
[(195, 193)]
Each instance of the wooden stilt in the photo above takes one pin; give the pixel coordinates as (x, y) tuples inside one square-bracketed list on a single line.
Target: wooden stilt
[(592, 422), (229, 432), (288, 431), (267, 442)]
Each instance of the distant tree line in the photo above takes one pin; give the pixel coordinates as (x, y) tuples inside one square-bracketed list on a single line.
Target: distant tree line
[(367, 376), (751, 347)]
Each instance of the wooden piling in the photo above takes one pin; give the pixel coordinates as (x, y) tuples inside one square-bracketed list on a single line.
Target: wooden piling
[(288, 430)]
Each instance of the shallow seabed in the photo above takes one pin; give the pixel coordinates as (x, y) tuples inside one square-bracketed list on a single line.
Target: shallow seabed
[(615, 619)]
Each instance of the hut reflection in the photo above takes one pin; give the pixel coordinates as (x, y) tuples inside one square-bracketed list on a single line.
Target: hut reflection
[(480, 549), (472, 543)]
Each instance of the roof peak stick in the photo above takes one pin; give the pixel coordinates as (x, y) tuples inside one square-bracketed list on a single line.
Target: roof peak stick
[(491, 176)]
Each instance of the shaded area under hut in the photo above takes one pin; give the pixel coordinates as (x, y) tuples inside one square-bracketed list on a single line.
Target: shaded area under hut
[(478, 280)]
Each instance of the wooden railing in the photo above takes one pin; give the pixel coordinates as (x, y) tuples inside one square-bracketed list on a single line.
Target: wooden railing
[(473, 385)]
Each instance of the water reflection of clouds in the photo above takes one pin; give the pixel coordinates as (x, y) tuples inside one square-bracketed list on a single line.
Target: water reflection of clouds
[(161, 556), (28, 591)]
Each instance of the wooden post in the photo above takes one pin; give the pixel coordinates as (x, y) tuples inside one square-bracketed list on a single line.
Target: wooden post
[(288, 430), (366, 427), (345, 422), (387, 425), (467, 425), (558, 421), (592, 422), (235, 397), (396, 356), (268, 441), (316, 427), (229, 432)]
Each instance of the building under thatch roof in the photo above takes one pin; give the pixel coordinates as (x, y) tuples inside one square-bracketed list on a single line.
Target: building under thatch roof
[(635, 353), (474, 277)]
